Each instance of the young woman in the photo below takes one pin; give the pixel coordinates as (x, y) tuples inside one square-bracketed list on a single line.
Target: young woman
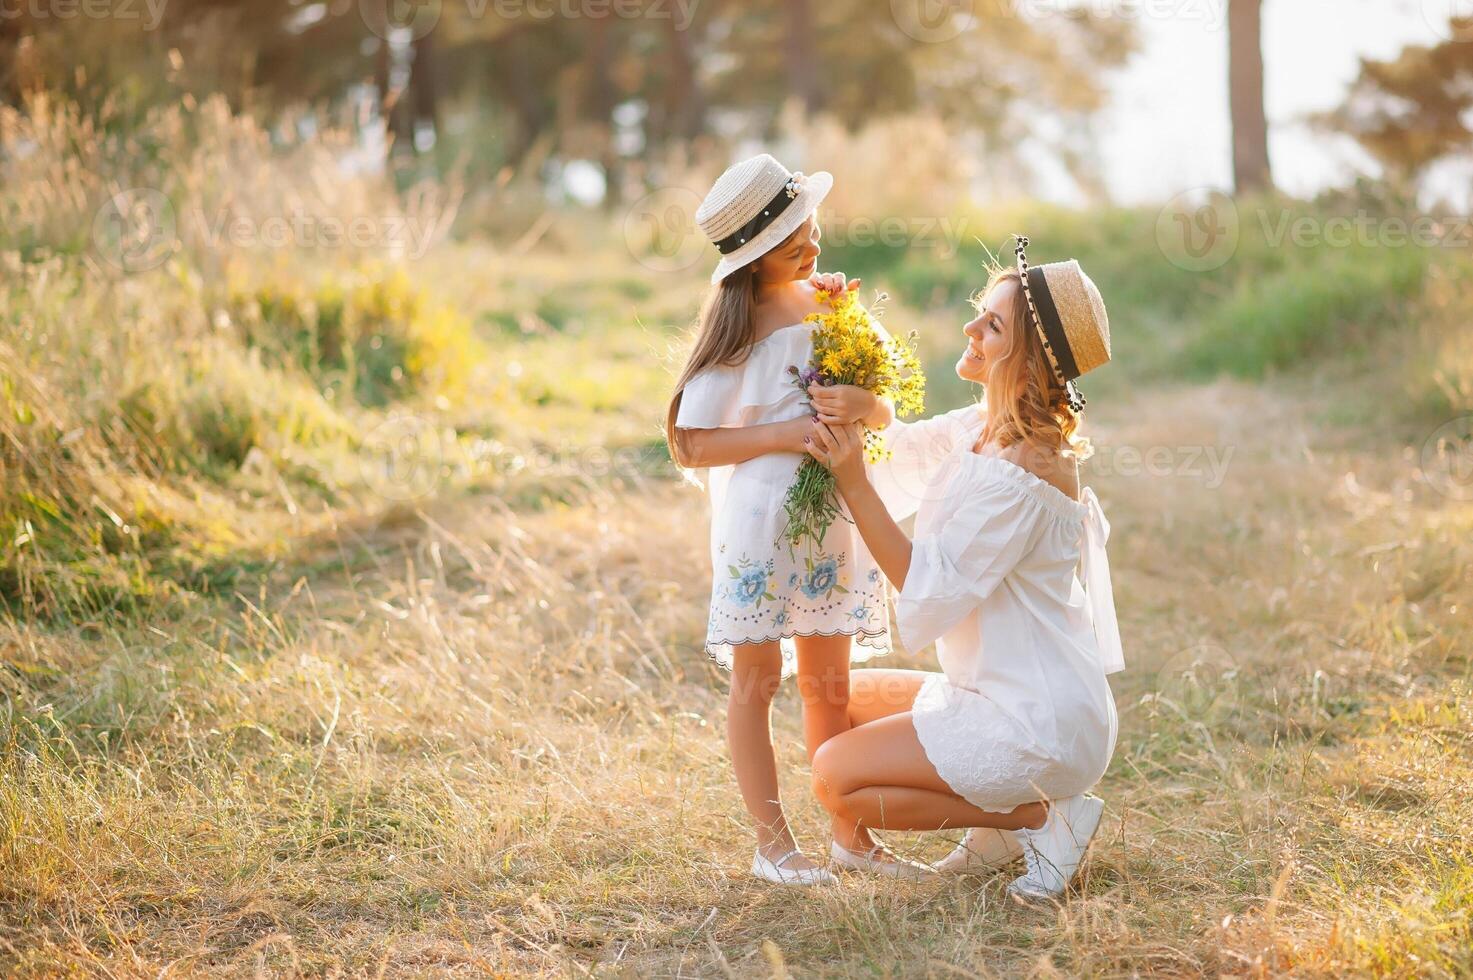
[(737, 419), (1021, 723)]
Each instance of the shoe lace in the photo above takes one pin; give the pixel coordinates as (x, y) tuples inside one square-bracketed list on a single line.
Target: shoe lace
[(1033, 861)]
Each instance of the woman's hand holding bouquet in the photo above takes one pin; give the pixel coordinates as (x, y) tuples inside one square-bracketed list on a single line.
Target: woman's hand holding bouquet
[(854, 366)]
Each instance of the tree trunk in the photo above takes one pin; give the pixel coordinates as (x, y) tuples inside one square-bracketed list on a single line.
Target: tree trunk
[(687, 109), (1251, 170), (600, 99), (799, 53), (424, 83), (390, 76)]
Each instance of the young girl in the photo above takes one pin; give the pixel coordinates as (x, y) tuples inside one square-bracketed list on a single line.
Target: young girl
[(1021, 723), (738, 420)]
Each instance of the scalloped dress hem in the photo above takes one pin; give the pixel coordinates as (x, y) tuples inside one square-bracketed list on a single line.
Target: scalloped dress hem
[(870, 644)]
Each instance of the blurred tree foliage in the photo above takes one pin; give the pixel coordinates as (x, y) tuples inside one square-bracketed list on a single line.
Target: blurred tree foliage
[(1415, 109), (497, 84)]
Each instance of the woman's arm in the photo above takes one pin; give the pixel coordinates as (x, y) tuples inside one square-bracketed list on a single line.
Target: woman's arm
[(841, 449), (701, 448)]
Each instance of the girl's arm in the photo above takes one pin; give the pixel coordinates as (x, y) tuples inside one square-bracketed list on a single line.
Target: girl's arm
[(841, 449), (701, 448)]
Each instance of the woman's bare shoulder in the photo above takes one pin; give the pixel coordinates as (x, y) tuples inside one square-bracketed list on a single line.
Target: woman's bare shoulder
[(1057, 469)]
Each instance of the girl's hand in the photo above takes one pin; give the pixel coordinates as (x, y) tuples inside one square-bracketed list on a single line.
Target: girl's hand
[(842, 404), (833, 283), (840, 448)]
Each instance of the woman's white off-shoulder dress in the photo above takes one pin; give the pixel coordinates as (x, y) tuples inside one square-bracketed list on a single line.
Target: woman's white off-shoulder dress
[(1023, 710), (760, 590)]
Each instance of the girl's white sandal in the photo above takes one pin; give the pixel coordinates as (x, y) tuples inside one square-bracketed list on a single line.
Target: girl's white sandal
[(773, 871), (894, 867), (982, 851)]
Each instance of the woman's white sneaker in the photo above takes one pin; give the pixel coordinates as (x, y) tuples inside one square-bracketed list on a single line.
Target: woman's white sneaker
[(892, 866), (982, 851), (1055, 851), (773, 871)]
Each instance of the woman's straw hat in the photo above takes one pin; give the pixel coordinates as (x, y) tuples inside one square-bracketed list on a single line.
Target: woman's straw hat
[(1069, 314), (754, 207)]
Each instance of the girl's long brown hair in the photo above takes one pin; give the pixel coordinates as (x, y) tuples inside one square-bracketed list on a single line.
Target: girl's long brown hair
[(723, 336), (1025, 402)]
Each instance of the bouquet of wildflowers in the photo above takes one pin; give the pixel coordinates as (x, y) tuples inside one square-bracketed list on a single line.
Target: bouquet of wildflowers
[(848, 351)]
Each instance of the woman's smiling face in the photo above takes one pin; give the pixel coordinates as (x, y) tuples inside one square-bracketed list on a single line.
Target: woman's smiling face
[(795, 258), (989, 333)]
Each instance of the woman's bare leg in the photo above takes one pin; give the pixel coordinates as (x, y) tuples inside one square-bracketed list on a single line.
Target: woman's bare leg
[(878, 776), (755, 676), (877, 692), (835, 699)]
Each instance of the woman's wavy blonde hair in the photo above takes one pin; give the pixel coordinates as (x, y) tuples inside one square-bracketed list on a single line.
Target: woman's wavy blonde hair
[(1025, 401)]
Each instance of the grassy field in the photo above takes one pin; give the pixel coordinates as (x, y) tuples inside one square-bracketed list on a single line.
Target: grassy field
[(352, 617)]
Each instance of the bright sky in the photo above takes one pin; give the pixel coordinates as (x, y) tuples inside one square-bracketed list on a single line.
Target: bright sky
[(1166, 129)]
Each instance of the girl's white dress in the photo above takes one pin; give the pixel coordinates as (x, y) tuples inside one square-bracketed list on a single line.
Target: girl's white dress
[(1023, 710), (761, 591)]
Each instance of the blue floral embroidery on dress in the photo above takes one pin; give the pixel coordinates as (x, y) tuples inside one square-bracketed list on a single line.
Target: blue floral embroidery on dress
[(874, 574), (749, 582), (861, 612), (781, 618), (822, 579)]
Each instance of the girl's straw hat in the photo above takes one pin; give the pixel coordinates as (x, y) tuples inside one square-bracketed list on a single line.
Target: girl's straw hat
[(1069, 313), (754, 206)]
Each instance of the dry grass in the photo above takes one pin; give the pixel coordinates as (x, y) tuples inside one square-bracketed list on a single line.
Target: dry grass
[(468, 738), (273, 706)]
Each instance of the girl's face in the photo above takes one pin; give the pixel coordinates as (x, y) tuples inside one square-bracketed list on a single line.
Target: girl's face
[(989, 335), (795, 258)]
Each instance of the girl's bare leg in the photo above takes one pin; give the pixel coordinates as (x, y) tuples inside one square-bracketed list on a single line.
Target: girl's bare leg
[(755, 676), (878, 776)]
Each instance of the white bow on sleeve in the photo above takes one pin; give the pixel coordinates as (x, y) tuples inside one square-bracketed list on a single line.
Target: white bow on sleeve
[(1097, 584)]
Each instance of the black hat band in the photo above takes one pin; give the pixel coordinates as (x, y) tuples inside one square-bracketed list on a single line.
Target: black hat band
[(769, 213), (1053, 325)]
